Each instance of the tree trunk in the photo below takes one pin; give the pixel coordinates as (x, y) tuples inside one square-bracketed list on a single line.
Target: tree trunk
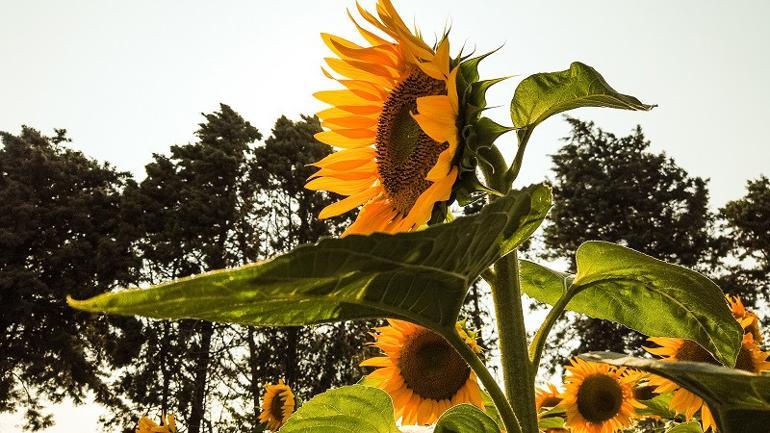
[(164, 368), (201, 370), (254, 374), (290, 361)]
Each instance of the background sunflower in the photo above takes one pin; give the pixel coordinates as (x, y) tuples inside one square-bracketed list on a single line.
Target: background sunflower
[(422, 372)]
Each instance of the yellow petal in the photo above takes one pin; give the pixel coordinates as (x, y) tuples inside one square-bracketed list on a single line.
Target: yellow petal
[(380, 361), (347, 158), (348, 122), (345, 138), (423, 206), (345, 97), (346, 205), (369, 36), (451, 86), (442, 166), (343, 187), (355, 72), (441, 132)]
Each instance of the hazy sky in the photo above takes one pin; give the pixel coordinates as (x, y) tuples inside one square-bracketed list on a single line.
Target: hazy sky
[(131, 78)]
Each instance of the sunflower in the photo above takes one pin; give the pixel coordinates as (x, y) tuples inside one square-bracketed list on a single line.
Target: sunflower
[(547, 397), (598, 398), (748, 320), (394, 125), (422, 372), (146, 425), (277, 405), (750, 358)]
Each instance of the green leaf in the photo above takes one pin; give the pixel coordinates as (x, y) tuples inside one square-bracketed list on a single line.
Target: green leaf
[(653, 297), (739, 400), (465, 418), (550, 422), (540, 96), (490, 409), (421, 276), (348, 409), (688, 427), (658, 406)]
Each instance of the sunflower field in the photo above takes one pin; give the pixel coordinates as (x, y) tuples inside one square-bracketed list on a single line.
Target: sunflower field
[(410, 147)]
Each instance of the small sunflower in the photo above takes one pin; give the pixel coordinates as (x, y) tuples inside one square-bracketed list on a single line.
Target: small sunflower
[(548, 397), (394, 125), (750, 358), (598, 398), (748, 320), (146, 425), (422, 372), (277, 405)]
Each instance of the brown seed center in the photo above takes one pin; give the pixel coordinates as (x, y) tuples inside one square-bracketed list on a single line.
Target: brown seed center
[(599, 398), (431, 367), (550, 401), (691, 351), (276, 406), (405, 153)]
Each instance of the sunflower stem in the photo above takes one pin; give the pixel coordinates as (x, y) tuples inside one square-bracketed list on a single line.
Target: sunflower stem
[(507, 416), (538, 342), (518, 371)]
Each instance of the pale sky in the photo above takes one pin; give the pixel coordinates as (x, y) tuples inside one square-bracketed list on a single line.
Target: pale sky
[(131, 78)]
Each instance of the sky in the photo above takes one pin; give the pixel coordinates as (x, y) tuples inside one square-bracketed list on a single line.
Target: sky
[(128, 79)]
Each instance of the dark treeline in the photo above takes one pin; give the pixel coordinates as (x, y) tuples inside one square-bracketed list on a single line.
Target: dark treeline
[(72, 226)]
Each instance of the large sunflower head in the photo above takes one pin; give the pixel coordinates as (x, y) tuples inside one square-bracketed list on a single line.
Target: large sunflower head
[(146, 425), (751, 358), (748, 320), (277, 405), (397, 125), (598, 398), (422, 372)]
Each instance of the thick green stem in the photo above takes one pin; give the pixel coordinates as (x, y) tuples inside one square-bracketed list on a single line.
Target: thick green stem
[(513, 171), (507, 416), (518, 372), (538, 343)]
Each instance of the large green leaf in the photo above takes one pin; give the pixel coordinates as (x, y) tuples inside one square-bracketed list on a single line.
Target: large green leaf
[(540, 96), (465, 419), (421, 276), (349, 409), (740, 400), (651, 296)]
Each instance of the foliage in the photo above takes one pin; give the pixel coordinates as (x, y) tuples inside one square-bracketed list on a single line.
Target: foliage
[(60, 232), (614, 189), (745, 224)]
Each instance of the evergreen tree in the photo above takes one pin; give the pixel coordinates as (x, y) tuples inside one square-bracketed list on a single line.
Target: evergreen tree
[(192, 213), (311, 359), (61, 233), (614, 189), (746, 227)]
